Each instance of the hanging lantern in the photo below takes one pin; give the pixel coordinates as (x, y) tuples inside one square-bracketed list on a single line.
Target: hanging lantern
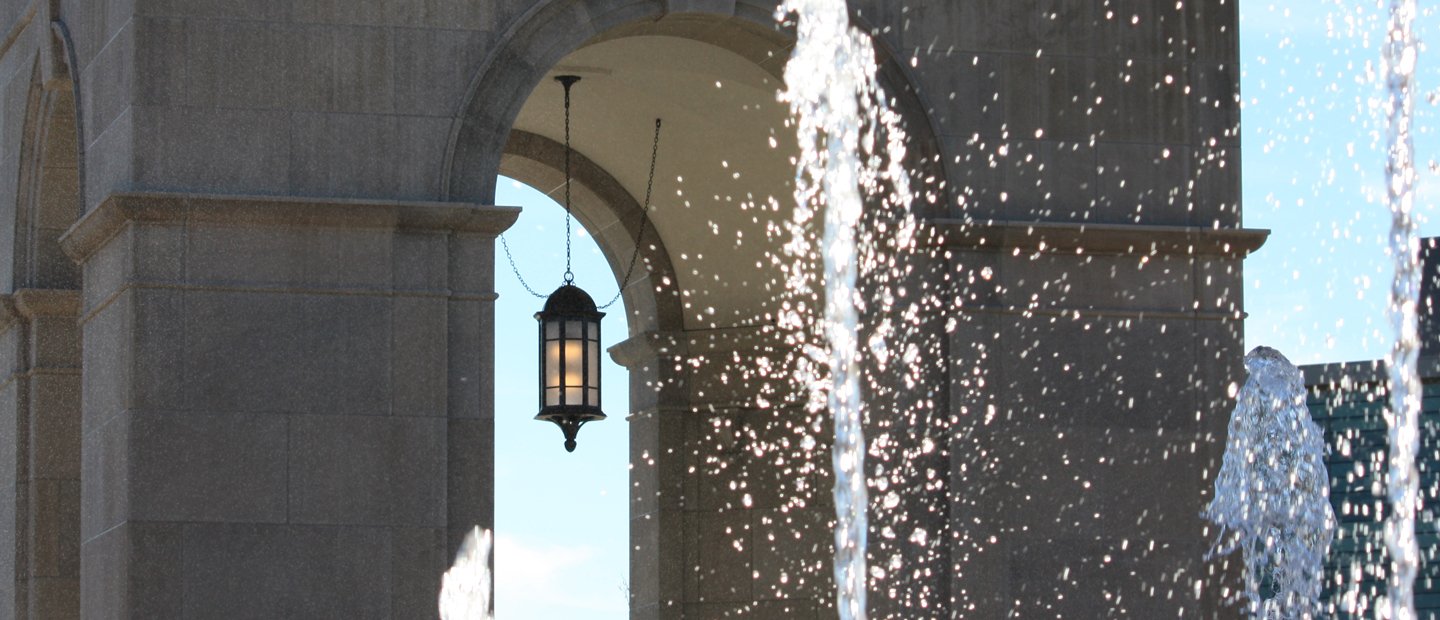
[(569, 361), (570, 323)]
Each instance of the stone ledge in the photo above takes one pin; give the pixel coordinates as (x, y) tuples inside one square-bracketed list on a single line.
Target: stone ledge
[(33, 302), (7, 315), (1098, 312), (99, 225), (28, 303), (1074, 238), (644, 348)]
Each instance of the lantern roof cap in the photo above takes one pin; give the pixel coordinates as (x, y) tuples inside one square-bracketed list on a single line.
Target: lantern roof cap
[(570, 299)]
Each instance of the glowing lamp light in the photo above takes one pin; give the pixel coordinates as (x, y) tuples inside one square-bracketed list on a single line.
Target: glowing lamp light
[(569, 361)]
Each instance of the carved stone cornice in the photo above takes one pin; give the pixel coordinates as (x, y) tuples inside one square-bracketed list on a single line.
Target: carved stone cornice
[(8, 312), (99, 225), (1073, 238), (644, 348), (34, 302)]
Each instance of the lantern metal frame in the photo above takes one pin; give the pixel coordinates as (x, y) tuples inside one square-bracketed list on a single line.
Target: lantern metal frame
[(570, 306)]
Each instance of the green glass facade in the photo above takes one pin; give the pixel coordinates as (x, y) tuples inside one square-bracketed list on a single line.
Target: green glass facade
[(1349, 401)]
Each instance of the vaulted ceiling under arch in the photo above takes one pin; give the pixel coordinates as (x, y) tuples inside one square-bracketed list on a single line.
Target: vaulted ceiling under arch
[(724, 180)]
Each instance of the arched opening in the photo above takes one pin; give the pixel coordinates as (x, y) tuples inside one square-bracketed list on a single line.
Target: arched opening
[(719, 183), (561, 519), (49, 191), (728, 512), (41, 424)]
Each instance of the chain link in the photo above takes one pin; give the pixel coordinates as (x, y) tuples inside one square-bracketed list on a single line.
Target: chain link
[(567, 81), (644, 219), (644, 213), (511, 257)]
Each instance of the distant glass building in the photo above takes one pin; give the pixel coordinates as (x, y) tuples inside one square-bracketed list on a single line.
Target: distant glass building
[(1348, 400)]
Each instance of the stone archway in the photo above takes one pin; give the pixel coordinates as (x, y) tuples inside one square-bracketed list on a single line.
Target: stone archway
[(614, 217), (40, 393), (50, 189), (716, 527), (310, 338)]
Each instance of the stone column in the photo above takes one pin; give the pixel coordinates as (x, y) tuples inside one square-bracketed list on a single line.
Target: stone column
[(730, 506), (1090, 415), (657, 474), (286, 403), (40, 418)]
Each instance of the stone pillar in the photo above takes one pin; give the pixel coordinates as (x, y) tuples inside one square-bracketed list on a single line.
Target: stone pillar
[(40, 418), (286, 403), (657, 435), (1090, 417), (730, 506)]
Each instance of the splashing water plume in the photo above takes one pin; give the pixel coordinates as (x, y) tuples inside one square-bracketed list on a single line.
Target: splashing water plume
[(465, 588), (1272, 497), (840, 117), (1402, 480)]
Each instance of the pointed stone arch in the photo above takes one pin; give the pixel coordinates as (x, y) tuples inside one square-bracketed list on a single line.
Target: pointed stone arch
[(39, 323), (50, 194)]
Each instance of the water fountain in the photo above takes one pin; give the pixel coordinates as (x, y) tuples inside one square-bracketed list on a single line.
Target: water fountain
[(465, 590), (1402, 480), (851, 149), (1385, 96), (1272, 494), (1272, 497), (849, 141)]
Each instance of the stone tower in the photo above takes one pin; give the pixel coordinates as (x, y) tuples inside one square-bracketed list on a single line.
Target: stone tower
[(248, 283)]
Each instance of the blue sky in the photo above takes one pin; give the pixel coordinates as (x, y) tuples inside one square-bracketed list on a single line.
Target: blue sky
[(1313, 144), (561, 519), (1312, 172)]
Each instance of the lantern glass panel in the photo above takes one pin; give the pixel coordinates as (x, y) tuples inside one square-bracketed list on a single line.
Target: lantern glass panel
[(552, 330), (574, 329), (552, 363), (552, 396), (574, 365), (592, 378), (573, 395)]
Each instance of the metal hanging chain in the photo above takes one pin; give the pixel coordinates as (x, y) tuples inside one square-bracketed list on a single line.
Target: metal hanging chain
[(644, 219), (567, 81), (506, 244)]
